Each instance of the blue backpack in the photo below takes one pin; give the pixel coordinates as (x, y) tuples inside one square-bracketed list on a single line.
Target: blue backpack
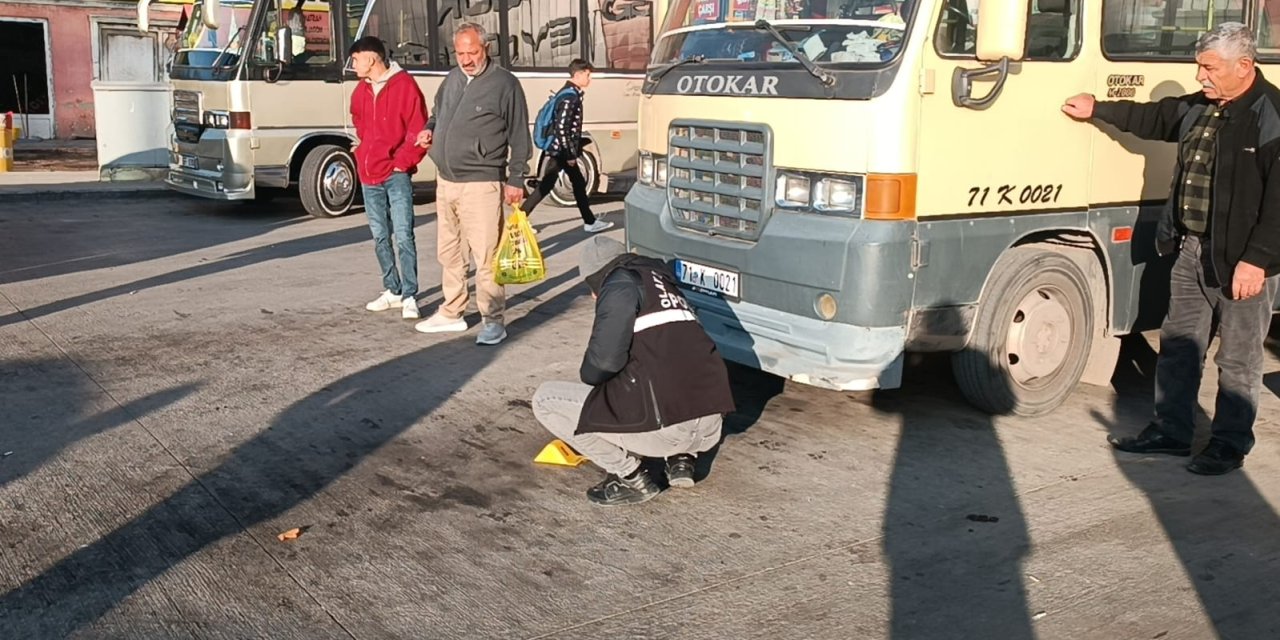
[(542, 134)]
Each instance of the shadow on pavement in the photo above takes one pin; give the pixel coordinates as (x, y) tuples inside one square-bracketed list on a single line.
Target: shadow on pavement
[(954, 532), (307, 448), (1223, 530), (47, 402)]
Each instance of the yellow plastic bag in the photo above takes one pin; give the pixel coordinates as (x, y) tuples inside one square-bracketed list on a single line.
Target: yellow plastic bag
[(518, 261)]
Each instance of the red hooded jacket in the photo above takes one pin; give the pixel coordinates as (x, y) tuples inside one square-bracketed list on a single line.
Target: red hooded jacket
[(387, 125)]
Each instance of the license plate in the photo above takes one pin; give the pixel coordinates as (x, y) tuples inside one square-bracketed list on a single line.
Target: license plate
[(189, 162), (708, 279)]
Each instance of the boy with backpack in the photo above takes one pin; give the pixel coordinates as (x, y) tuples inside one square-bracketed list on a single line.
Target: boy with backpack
[(558, 132)]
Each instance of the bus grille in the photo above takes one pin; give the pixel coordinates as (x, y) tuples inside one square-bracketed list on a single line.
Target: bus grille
[(186, 107), (716, 182)]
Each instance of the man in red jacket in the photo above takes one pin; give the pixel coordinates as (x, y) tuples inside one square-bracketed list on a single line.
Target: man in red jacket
[(388, 110)]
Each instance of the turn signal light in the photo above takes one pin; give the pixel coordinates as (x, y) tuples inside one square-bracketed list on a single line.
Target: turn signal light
[(890, 197)]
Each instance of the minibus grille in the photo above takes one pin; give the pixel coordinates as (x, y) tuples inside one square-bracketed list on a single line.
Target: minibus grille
[(716, 179), (186, 107)]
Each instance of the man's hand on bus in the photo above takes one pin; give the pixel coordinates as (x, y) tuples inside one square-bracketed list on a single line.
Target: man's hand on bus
[(513, 195), (424, 138), (1079, 106), (1247, 281)]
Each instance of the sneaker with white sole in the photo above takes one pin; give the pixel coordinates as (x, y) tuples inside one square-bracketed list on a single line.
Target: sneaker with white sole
[(597, 226), (385, 301), (409, 309), (491, 333), (441, 324)]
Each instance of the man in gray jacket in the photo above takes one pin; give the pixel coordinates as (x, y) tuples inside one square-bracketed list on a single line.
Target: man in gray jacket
[(478, 137)]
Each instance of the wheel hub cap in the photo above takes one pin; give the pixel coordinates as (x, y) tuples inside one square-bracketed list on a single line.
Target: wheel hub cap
[(338, 183), (1039, 335)]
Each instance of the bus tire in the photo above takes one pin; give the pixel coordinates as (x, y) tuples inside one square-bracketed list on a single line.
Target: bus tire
[(1032, 334), (562, 194), (327, 183)]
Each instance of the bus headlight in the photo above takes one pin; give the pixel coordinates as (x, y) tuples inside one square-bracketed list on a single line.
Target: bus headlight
[(793, 191), (834, 194), (646, 168), (217, 119)]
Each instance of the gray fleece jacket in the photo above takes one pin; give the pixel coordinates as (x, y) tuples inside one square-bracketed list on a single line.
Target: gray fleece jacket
[(477, 126)]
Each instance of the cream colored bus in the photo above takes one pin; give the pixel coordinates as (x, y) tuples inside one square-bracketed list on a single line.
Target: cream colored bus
[(251, 118), (842, 182)]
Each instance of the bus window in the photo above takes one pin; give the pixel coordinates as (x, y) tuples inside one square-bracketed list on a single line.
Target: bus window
[(621, 34), (1162, 29), (311, 24), (402, 27), (1053, 29), (957, 29), (1268, 30), (544, 34)]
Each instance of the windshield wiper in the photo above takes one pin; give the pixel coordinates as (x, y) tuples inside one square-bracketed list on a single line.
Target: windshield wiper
[(814, 70), (217, 62), (658, 73)]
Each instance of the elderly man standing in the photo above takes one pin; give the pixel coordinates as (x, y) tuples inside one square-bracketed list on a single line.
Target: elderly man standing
[(1223, 217), (478, 137)]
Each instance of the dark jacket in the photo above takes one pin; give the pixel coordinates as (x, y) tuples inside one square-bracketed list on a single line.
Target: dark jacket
[(566, 124), (650, 363), (480, 130), (387, 125), (1245, 218)]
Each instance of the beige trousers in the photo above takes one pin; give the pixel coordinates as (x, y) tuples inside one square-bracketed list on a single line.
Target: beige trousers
[(469, 223)]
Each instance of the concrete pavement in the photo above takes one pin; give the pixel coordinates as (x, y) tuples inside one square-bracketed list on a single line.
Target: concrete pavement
[(180, 381)]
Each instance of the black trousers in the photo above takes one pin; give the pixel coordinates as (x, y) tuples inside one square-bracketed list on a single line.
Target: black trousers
[(551, 175)]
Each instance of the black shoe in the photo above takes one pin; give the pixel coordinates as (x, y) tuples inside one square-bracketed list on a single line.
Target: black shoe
[(1216, 459), (1151, 441), (680, 470), (633, 489)]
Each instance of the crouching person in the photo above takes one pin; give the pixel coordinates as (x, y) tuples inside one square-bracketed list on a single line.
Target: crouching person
[(653, 384)]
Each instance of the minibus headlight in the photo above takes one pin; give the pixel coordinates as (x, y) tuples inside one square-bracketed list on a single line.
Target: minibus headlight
[(836, 195), (660, 171), (217, 119), (646, 168), (793, 191)]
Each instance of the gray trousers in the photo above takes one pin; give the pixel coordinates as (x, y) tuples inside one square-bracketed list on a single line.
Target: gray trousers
[(1197, 304), (557, 406)]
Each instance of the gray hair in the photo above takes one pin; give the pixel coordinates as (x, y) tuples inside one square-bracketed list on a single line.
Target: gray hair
[(1231, 40), (473, 27)]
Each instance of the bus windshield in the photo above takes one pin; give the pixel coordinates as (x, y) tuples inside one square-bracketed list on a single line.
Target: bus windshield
[(856, 32), (199, 46)]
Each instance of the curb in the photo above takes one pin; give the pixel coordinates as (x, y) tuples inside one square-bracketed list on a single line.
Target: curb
[(27, 194)]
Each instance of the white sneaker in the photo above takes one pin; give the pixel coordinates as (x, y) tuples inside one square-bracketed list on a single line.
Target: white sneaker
[(440, 324), (385, 301), (491, 333), (597, 226), (409, 309)]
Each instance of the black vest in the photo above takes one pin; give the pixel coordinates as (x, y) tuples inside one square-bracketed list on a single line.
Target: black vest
[(674, 373)]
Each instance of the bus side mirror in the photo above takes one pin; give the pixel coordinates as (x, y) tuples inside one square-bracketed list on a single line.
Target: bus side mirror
[(1002, 30), (210, 14), (1002, 39), (284, 45)]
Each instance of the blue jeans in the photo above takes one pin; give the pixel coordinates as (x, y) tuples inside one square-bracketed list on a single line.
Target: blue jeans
[(390, 209)]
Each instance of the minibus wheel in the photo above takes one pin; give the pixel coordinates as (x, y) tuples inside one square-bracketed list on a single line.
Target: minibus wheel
[(327, 183), (1032, 334), (562, 194)]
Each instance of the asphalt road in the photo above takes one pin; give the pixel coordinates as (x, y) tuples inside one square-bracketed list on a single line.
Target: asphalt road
[(181, 381)]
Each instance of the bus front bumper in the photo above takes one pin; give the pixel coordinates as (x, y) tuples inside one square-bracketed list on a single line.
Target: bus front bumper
[(823, 354)]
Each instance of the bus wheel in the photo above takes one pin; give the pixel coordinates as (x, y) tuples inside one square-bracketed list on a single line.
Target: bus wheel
[(562, 194), (1031, 337), (327, 183)]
